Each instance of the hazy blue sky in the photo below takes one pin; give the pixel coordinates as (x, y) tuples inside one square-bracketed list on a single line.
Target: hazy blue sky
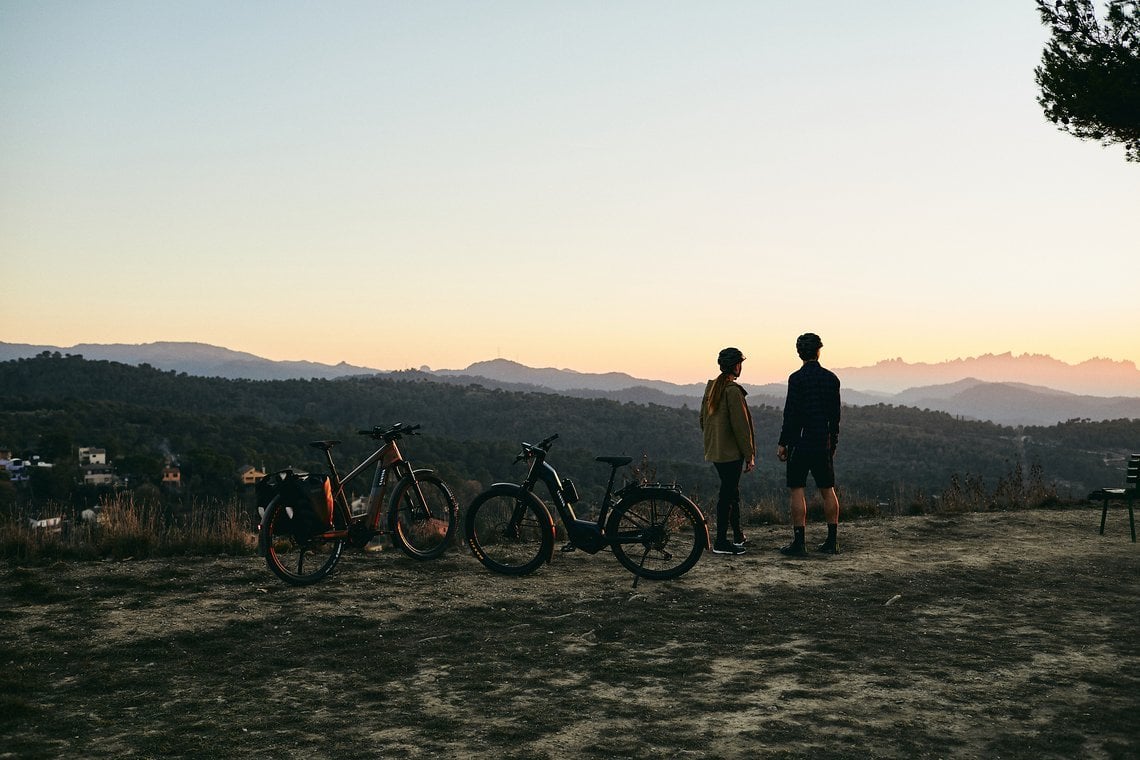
[(593, 185)]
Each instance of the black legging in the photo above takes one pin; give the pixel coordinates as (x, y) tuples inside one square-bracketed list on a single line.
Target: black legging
[(728, 500)]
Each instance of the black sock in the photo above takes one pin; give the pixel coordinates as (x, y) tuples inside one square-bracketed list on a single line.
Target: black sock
[(799, 535), (831, 530)]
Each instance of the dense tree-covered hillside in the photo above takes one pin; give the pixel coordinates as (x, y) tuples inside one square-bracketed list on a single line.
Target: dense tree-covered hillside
[(52, 404)]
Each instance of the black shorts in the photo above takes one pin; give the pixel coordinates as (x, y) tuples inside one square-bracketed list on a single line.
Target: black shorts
[(818, 463)]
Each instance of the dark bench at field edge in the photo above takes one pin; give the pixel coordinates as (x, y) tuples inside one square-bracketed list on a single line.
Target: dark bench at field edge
[(1128, 494)]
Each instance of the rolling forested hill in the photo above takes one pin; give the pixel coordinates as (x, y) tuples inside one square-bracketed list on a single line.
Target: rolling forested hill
[(52, 404)]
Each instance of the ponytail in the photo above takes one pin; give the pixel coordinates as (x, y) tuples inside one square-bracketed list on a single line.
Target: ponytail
[(717, 389)]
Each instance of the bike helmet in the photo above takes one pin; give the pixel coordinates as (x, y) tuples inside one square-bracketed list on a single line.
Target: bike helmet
[(729, 358), (808, 345)]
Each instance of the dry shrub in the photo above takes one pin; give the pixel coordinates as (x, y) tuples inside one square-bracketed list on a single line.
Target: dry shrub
[(212, 531), (763, 512), (129, 528), (132, 528)]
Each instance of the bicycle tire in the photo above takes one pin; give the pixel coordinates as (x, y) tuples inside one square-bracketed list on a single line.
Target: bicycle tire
[(290, 557), (670, 529), (509, 530), (422, 530)]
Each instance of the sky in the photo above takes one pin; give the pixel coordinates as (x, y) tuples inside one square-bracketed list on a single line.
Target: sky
[(594, 185)]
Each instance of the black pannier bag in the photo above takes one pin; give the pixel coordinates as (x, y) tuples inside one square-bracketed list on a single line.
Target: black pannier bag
[(309, 498)]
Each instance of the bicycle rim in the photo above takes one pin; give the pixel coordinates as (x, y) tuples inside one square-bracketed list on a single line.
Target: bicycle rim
[(657, 535), (423, 527), (296, 560), (510, 532)]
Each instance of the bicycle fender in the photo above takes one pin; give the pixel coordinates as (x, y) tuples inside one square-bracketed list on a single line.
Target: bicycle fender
[(511, 489), (701, 515)]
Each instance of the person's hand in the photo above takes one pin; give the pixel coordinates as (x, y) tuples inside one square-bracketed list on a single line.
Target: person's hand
[(782, 453), (750, 465)]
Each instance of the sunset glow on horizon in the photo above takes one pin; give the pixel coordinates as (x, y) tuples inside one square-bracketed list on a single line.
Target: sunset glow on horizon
[(626, 186)]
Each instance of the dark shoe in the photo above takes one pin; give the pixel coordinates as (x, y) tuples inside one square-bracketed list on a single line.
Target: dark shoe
[(740, 540), (828, 547), (794, 549), (724, 547)]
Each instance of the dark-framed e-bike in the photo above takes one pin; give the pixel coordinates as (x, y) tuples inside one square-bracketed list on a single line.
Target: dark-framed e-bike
[(654, 530)]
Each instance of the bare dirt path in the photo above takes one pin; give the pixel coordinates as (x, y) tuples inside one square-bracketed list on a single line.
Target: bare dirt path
[(1009, 635)]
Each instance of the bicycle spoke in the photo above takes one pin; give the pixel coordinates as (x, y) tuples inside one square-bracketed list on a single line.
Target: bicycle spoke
[(423, 517), (658, 535), (508, 532), (296, 561)]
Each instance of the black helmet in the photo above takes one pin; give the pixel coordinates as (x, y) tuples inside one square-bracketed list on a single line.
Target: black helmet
[(808, 345), (729, 358)]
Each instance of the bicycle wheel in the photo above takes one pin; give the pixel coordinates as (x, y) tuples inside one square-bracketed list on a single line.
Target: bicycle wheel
[(422, 520), (657, 534), (509, 530), (298, 560)]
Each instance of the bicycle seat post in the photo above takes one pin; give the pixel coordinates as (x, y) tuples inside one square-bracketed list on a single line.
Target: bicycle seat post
[(332, 467), (613, 475)]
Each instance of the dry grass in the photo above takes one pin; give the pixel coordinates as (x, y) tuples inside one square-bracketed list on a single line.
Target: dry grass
[(128, 527)]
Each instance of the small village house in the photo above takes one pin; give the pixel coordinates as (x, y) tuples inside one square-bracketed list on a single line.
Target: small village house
[(249, 475)]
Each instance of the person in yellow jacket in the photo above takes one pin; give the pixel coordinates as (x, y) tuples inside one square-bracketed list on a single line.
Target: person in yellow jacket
[(730, 445)]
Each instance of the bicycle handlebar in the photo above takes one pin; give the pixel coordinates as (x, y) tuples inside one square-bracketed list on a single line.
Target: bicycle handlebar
[(392, 433), (530, 448)]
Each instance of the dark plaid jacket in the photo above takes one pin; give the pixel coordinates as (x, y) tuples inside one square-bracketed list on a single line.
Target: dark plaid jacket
[(811, 411)]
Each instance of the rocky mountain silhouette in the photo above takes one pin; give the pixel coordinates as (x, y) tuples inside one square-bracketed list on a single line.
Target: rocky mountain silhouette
[(1094, 377)]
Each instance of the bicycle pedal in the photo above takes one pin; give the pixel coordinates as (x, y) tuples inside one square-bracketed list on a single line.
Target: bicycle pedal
[(569, 548), (359, 536)]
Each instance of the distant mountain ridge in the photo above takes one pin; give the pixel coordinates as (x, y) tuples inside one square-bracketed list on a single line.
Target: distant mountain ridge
[(568, 379), (1009, 400), (199, 359), (1094, 377), (1006, 403)]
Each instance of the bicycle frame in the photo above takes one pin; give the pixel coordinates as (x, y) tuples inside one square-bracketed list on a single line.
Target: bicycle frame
[(654, 530), (588, 535), (387, 459)]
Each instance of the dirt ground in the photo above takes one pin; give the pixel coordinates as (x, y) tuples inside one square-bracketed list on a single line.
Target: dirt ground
[(998, 635)]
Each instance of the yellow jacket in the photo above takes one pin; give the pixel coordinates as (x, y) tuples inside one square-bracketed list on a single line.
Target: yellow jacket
[(727, 431)]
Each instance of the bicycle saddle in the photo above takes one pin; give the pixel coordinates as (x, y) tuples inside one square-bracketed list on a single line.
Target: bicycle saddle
[(323, 445), (615, 461)]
